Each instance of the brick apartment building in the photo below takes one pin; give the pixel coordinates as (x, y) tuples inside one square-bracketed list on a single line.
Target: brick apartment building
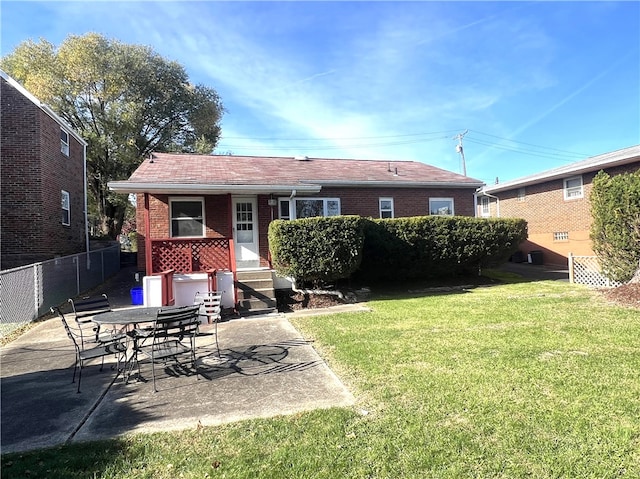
[(43, 170), (556, 204)]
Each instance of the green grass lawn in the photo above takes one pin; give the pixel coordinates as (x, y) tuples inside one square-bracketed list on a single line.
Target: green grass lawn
[(524, 380)]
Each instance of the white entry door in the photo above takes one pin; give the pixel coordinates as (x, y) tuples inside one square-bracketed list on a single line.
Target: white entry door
[(245, 231)]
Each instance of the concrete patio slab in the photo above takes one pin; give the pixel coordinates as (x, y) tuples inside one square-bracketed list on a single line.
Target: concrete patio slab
[(265, 368)]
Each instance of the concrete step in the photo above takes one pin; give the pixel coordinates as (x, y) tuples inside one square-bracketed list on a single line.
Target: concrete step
[(255, 291)]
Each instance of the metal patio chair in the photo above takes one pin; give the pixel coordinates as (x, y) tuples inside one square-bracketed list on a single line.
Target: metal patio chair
[(86, 351), (210, 304), (172, 335), (84, 310)]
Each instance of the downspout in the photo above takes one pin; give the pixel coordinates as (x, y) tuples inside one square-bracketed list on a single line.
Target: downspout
[(475, 203), (86, 207)]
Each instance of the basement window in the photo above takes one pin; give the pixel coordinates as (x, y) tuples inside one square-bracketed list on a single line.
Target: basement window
[(561, 236)]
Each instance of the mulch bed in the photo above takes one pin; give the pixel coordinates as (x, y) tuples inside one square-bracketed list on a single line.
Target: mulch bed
[(625, 295)]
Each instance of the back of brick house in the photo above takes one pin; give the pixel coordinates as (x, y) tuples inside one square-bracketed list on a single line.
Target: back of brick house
[(555, 204), (226, 197), (42, 161)]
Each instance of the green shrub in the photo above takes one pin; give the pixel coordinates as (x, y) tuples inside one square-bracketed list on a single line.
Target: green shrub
[(321, 250), (317, 250), (615, 231), (437, 246)]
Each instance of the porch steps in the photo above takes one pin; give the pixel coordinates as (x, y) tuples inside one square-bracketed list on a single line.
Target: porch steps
[(256, 294)]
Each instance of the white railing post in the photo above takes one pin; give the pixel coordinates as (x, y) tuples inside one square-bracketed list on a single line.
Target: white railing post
[(571, 274)]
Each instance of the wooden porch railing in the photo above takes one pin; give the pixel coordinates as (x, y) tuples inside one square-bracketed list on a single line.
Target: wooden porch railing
[(165, 257), (166, 281), (195, 255)]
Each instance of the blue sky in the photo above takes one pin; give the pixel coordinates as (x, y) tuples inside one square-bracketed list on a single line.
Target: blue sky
[(537, 85)]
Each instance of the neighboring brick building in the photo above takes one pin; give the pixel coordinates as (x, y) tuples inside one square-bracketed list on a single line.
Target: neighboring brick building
[(42, 170), (556, 204), (185, 198)]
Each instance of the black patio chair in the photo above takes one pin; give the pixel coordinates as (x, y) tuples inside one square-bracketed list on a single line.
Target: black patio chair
[(172, 335), (86, 351), (210, 304), (84, 310)]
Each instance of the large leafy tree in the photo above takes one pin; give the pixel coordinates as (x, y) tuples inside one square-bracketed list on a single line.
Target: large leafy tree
[(615, 231), (125, 100)]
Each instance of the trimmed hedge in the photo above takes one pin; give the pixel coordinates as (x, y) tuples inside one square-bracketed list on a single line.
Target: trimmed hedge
[(321, 250), (428, 247), (317, 250)]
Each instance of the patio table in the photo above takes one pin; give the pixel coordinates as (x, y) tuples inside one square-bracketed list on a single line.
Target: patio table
[(130, 319)]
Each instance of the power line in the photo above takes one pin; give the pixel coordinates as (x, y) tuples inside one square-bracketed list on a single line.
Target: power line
[(568, 153)]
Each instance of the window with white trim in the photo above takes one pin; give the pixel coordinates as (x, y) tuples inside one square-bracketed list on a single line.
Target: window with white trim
[(284, 208), (522, 194), (485, 206), (573, 188), (186, 217), (386, 207), (64, 142), (441, 206), (290, 209), (66, 208)]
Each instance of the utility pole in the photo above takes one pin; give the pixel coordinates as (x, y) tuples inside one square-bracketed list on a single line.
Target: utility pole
[(460, 150)]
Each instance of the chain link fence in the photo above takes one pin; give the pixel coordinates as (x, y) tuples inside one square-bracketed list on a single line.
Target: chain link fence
[(586, 270), (26, 293)]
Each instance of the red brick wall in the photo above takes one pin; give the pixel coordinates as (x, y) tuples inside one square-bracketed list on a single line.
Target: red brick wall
[(406, 201), (360, 201), (217, 220), (546, 211), (34, 171)]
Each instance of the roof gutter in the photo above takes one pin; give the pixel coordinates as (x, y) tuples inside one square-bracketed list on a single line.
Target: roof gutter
[(609, 160), (190, 189), (397, 184)]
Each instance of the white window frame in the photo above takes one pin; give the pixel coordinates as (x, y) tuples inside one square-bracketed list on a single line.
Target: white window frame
[(390, 210), (561, 236), (185, 199), (573, 192), (293, 210), (66, 208), (522, 194), (64, 142), (485, 206), (284, 208), (434, 200)]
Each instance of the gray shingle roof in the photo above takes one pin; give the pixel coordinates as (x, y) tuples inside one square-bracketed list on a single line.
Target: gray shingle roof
[(174, 171)]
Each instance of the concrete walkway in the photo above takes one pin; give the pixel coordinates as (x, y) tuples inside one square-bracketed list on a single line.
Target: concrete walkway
[(266, 368)]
